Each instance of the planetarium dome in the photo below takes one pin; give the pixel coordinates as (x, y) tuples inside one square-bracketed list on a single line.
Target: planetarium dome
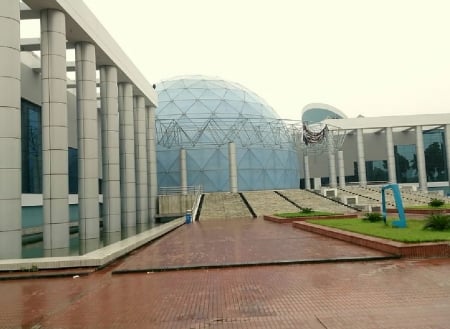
[(202, 115)]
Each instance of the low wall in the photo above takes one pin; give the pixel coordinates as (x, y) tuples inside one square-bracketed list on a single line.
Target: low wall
[(407, 250), (284, 220)]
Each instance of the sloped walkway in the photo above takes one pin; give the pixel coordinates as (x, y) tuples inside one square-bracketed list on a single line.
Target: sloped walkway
[(240, 243)]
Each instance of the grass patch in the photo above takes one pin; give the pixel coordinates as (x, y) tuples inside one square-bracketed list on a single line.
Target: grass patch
[(304, 214), (414, 233), (427, 207)]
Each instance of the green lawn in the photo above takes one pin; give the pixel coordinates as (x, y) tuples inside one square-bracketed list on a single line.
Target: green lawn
[(412, 234), (304, 214), (444, 206)]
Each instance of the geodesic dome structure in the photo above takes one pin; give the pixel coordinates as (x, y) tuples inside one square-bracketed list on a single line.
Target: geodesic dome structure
[(202, 115)]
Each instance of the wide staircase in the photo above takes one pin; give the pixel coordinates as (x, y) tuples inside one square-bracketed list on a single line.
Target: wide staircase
[(268, 203), (223, 205), (307, 199)]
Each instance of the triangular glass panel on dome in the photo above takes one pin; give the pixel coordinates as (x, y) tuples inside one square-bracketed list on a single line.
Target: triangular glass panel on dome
[(184, 105), (199, 84), (217, 84), (167, 159), (225, 109), (178, 84), (189, 82), (173, 92), (251, 109), (217, 160), (249, 161), (185, 94), (220, 92), (236, 105), (197, 92), (163, 96), (235, 95), (218, 179), (251, 98), (208, 94), (167, 180), (254, 179), (211, 104), (169, 110), (198, 109)]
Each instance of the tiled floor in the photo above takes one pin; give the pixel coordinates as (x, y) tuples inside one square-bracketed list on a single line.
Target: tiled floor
[(378, 294)]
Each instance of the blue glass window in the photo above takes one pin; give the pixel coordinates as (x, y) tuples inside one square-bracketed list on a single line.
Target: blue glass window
[(435, 156), (406, 163), (31, 147)]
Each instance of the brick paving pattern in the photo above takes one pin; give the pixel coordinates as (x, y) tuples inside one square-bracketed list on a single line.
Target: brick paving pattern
[(239, 242), (388, 294)]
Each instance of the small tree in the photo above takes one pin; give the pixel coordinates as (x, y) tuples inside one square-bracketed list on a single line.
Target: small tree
[(373, 217), (435, 203), (437, 222)]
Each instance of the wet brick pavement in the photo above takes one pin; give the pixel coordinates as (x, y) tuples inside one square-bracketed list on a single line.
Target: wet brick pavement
[(245, 241), (388, 294)]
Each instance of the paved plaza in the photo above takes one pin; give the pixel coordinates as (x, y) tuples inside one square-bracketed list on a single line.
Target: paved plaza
[(373, 293)]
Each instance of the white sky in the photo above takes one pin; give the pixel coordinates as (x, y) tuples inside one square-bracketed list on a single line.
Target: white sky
[(378, 57)]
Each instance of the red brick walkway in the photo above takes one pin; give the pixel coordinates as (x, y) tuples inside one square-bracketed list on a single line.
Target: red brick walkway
[(396, 294), (239, 242)]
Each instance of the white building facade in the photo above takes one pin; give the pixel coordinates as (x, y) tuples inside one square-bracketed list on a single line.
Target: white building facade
[(88, 142), (409, 149)]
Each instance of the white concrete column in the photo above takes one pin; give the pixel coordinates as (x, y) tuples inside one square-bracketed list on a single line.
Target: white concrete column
[(331, 163), (86, 86), (140, 147), (110, 149), (10, 132), (183, 171), (127, 158), (341, 168), (420, 155), (390, 155), (151, 163), (447, 149), (54, 132), (232, 167), (361, 157), (307, 172)]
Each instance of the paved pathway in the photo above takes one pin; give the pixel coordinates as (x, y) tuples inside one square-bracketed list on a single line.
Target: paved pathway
[(396, 294), (215, 243)]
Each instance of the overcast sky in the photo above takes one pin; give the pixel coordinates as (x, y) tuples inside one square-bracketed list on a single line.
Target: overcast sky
[(379, 57)]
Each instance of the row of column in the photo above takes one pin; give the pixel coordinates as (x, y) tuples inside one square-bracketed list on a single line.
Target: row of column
[(232, 167), (128, 145), (420, 152)]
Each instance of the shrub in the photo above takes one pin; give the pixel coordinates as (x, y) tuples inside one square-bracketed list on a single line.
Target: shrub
[(307, 210), (373, 217), (437, 222), (436, 203)]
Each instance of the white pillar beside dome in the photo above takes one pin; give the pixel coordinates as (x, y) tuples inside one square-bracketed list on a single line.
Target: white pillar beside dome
[(232, 167), (420, 156), (141, 160), (110, 149), (127, 156), (151, 163), (86, 87), (390, 155), (341, 168), (331, 162), (361, 157), (10, 132), (307, 172), (54, 132), (183, 171)]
